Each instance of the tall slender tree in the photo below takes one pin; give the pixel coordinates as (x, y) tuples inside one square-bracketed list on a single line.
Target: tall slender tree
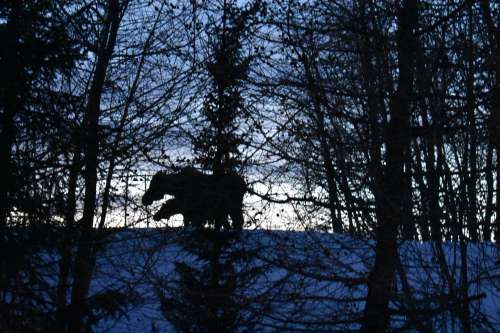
[(114, 11), (390, 210)]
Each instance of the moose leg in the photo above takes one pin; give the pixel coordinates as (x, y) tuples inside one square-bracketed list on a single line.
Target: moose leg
[(237, 217), (193, 220), (221, 221)]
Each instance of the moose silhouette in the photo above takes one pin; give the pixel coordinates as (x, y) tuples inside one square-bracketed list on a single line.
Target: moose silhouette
[(199, 197)]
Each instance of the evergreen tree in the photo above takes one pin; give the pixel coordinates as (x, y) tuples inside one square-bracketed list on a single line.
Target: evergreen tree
[(207, 297), (36, 46), (217, 146)]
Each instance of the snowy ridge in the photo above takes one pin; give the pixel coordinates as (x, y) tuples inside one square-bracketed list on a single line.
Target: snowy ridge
[(306, 281)]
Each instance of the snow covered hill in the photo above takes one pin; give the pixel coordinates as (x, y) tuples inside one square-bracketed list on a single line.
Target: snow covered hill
[(290, 282)]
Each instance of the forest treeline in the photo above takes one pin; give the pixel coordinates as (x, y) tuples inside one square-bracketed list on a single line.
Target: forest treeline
[(377, 119)]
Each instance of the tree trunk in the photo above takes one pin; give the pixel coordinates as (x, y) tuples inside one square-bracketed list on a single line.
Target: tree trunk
[(489, 193), (390, 209), (375, 108), (66, 257), (318, 118), (120, 128), (494, 40), (431, 122), (464, 310), (11, 104), (471, 175), (409, 230), (83, 263)]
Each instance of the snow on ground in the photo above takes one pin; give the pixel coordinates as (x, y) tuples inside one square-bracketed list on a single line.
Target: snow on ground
[(306, 281)]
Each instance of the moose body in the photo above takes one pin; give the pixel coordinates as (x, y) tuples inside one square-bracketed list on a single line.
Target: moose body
[(199, 197)]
